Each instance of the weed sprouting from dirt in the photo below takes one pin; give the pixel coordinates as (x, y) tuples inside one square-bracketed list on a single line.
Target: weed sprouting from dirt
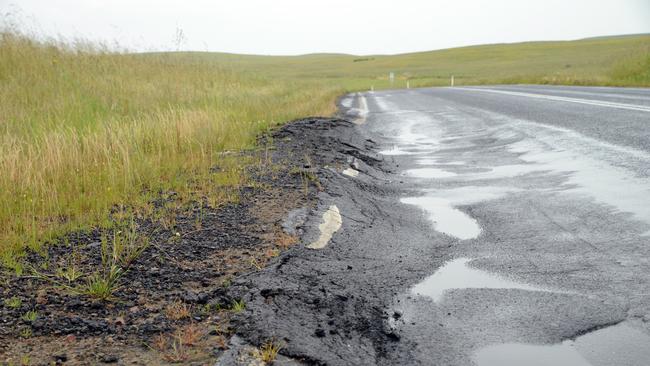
[(189, 335), (69, 273), (13, 302), (30, 316), (26, 333), (177, 352), (126, 244), (268, 352), (177, 310), (101, 285), (238, 306)]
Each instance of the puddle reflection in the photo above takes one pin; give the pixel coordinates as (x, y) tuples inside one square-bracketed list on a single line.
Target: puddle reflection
[(620, 345), (456, 274)]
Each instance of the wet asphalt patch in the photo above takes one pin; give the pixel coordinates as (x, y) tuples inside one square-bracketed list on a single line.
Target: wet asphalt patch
[(465, 236)]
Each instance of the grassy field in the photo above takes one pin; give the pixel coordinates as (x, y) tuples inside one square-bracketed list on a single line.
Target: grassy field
[(85, 132), (617, 61)]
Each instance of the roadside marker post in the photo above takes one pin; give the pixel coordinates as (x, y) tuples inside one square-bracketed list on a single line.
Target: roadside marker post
[(408, 85), (391, 77), (452, 80)]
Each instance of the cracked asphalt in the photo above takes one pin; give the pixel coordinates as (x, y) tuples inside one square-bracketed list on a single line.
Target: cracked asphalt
[(495, 225)]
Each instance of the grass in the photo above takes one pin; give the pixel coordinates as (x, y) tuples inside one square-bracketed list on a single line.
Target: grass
[(177, 310), (86, 133), (616, 61), (13, 302), (30, 316), (268, 352), (238, 306), (103, 284)]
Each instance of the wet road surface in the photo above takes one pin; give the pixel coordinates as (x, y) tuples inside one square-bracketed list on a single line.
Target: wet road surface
[(541, 196), (505, 225)]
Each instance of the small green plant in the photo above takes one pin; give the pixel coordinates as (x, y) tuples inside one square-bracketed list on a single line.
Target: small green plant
[(238, 306), (125, 245), (70, 273), (25, 360), (26, 332), (30, 316), (13, 302), (102, 285)]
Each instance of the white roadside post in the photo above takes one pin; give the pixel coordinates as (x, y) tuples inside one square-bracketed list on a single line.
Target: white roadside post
[(452, 80), (408, 84), (391, 77)]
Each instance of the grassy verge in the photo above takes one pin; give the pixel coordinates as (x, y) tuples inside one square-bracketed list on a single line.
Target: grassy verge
[(85, 132)]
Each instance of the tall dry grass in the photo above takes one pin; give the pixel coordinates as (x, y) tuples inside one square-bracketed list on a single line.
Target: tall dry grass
[(83, 130)]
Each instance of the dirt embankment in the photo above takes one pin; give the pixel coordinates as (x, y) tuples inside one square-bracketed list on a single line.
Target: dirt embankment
[(175, 302)]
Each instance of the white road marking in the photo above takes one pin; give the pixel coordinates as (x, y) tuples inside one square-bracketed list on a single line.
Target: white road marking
[(599, 103), (332, 222)]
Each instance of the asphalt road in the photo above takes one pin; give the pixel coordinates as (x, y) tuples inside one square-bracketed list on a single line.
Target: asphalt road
[(543, 196), (491, 226)]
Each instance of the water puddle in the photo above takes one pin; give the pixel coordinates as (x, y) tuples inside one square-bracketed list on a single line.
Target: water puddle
[(625, 186), (431, 161), (395, 150), (446, 219), (456, 274), (429, 173), (619, 345)]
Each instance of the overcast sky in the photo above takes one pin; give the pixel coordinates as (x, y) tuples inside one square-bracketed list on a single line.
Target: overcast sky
[(350, 26)]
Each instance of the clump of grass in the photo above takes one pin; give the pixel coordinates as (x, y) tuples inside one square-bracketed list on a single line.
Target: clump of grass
[(189, 335), (103, 284), (238, 306), (26, 333), (13, 302), (30, 316), (124, 245), (177, 310), (70, 273), (268, 352), (175, 348), (177, 352)]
